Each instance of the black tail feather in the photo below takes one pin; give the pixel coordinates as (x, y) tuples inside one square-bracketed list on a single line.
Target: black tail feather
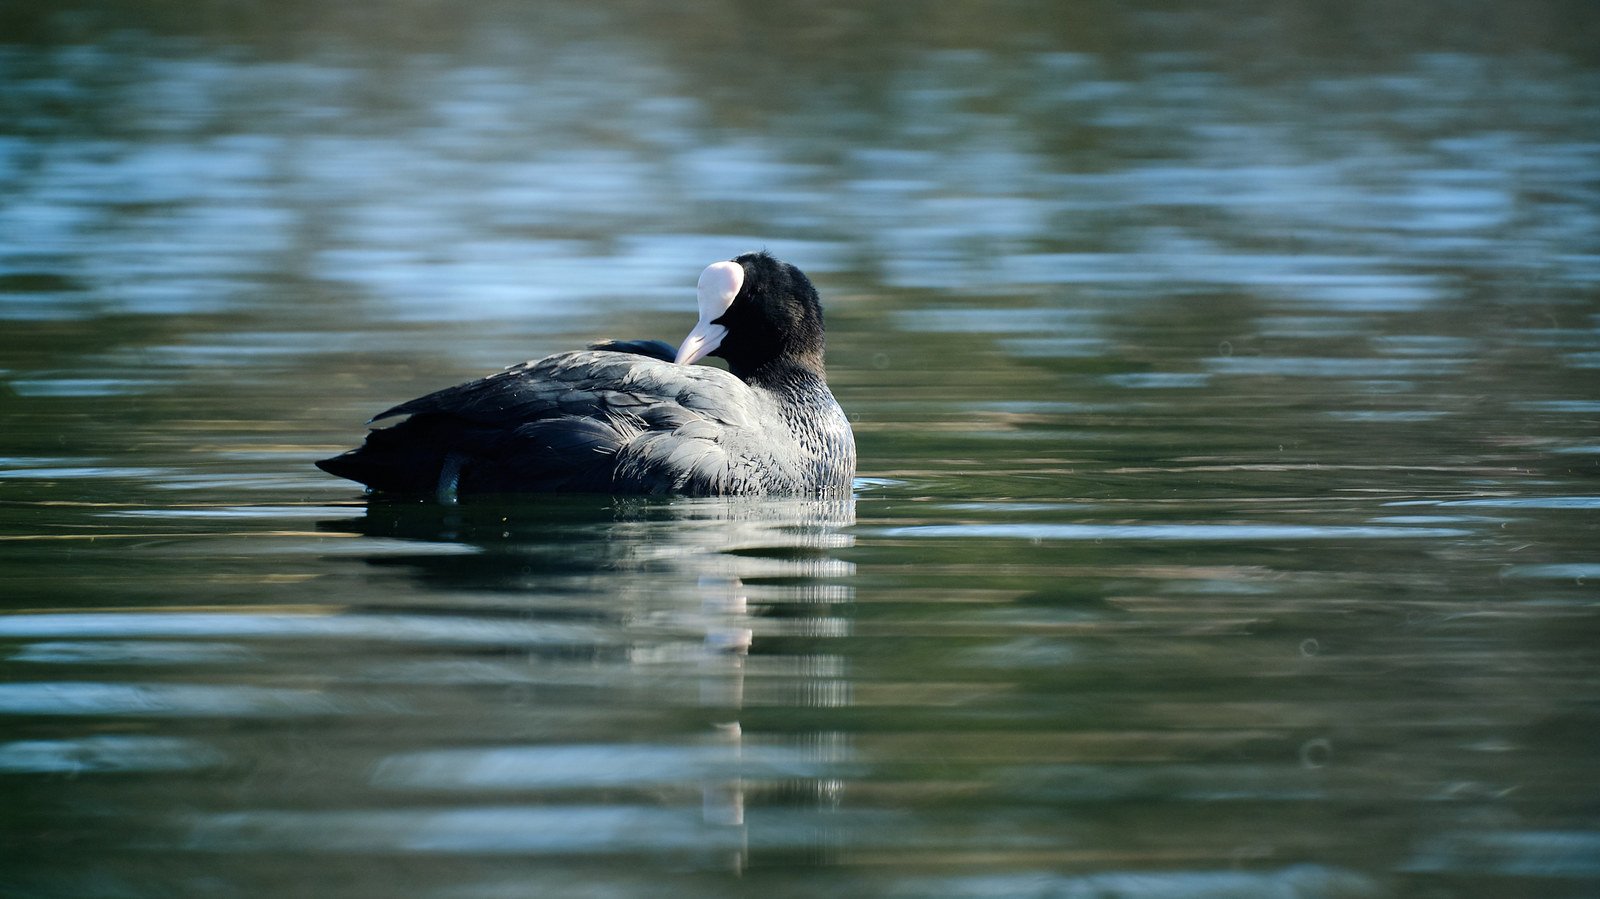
[(410, 456), (437, 454)]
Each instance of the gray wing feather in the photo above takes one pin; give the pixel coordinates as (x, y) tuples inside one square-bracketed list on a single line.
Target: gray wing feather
[(585, 382), (653, 425)]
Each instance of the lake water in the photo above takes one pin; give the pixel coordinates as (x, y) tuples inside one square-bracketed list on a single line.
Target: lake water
[(1227, 387)]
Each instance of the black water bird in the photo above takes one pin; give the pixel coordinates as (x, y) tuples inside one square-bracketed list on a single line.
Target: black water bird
[(635, 417)]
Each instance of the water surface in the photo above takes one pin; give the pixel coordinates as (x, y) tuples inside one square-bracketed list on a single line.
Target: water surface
[(1225, 388)]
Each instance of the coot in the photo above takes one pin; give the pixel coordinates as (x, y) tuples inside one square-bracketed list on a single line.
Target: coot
[(635, 417)]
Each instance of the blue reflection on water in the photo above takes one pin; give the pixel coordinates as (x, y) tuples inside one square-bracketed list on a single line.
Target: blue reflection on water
[(1512, 502), (476, 203), (161, 700), (54, 472), (132, 652), (1569, 570), (532, 829), (106, 754), (425, 629), (1295, 881), (1550, 853), (590, 765), (1165, 532), (80, 386)]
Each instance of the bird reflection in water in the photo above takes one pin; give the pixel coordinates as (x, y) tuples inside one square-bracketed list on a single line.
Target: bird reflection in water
[(654, 607)]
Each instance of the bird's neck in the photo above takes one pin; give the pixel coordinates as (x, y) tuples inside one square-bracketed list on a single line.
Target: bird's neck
[(785, 376)]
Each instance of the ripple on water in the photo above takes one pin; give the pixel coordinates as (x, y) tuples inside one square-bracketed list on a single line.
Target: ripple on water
[(164, 700), (435, 629), (590, 765), (106, 755), (54, 472), (1355, 367), (62, 387), (1170, 532)]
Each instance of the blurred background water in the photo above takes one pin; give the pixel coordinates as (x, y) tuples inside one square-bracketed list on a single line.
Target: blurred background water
[(1226, 379)]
